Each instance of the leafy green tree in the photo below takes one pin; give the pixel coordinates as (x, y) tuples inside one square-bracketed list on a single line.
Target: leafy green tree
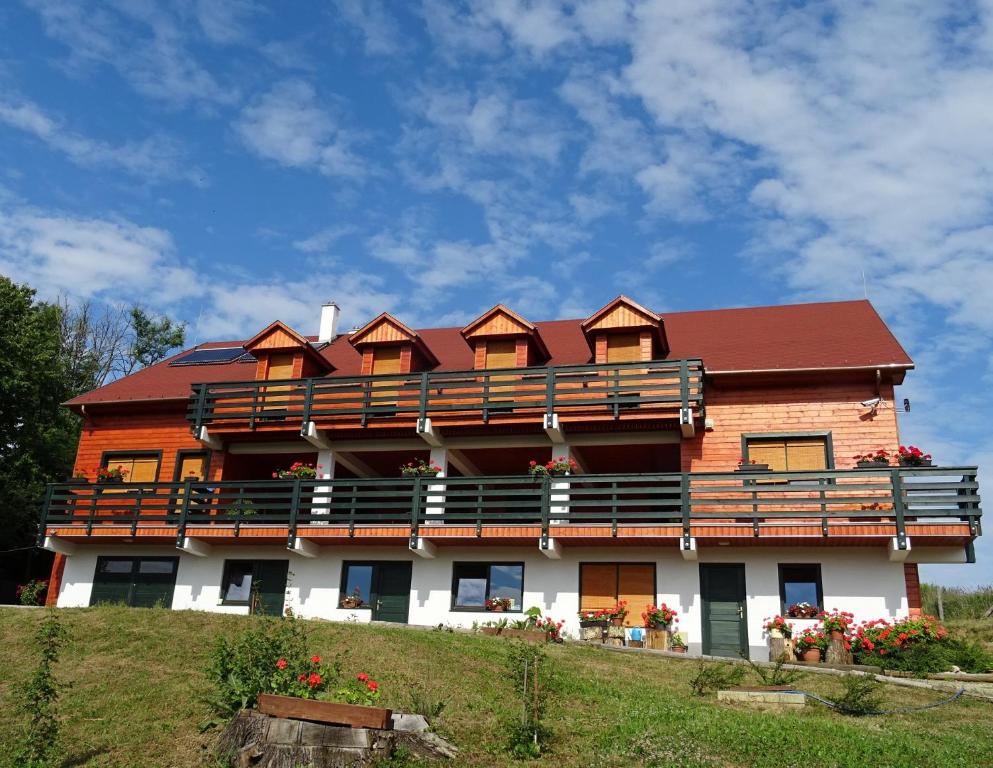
[(151, 339)]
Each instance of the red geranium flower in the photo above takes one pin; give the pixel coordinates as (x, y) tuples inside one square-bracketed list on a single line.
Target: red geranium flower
[(281, 664), (362, 677), (372, 685), (316, 659), (314, 680)]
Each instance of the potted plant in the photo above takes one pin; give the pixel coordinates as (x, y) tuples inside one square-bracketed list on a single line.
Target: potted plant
[(912, 456), (802, 611), (678, 643), (551, 628), (111, 474), (555, 467), (498, 604), (836, 623), (745, 465), (353, 600), (809, 644), (297, 470), (420, 468), (617, 614), (594, 618), (778, 627), (872, 460), (659, 617)]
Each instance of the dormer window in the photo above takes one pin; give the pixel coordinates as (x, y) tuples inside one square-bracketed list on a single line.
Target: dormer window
[(500, 338), (282, 353), (625, 332), (390, 347)]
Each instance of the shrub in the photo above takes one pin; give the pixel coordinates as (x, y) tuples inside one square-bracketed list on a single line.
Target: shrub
[(715, 676), (39, 746), (422, 702), (33, 593), (270, 657), (939, 656), (533, 679), (776, 674), (861, 695)]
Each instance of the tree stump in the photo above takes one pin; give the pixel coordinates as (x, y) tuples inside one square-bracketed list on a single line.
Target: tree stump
[(659, 639), (781, 648), (837, 654), (615, 636), (255, 740)]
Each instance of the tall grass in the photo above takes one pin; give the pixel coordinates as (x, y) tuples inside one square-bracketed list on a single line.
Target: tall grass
[(959, 603)]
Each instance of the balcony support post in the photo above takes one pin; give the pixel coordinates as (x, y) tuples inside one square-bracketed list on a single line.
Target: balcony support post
[(559, 499), (427, 432), (550, 548), (901, 530), (435, 503), (553, 429), (304, 548), (423, 548), (195, 547), (208, 440), (896, 553)]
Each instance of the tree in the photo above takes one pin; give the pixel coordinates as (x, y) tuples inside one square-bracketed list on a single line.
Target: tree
[(149, 340)]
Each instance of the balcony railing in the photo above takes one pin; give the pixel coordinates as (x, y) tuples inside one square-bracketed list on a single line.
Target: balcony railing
[(658, 385), (752, 500)]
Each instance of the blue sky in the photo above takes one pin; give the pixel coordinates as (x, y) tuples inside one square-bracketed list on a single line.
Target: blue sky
[(229, 162)]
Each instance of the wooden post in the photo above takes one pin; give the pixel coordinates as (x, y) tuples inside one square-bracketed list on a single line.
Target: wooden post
[(659, 639), (941, 605), (837, 654), (781, 648)]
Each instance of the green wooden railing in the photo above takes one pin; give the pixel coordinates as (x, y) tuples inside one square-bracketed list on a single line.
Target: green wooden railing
[(611, 389), (892, 496)]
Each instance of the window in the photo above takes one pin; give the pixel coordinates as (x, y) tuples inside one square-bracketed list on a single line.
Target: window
[(259, 584), (191, 464), (139, 582), (280, 366), (475, 583), (141, 466), (603, 585), (800, 584), (623, 347), (357, 583), (789, 452)]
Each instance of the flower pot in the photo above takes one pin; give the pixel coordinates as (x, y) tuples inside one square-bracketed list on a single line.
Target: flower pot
[(871, 464), (679, 649), (753, 468), (617, 621), (497, 609), (837, 635), (597, 623), (920, 463), (335, 713), (664, 627), (349, 602), (811, 655)]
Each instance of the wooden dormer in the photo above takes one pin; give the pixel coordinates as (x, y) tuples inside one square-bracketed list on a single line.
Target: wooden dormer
[(388, 346), (282, 353), (501, 338), (625, 332)]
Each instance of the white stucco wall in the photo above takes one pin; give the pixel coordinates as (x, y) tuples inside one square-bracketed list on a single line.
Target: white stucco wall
[(860, 580)]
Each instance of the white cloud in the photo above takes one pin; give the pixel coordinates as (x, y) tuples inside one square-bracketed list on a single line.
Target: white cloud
[(321, 241), (380, 32), (226, 21), (155, 158), (289, 126)]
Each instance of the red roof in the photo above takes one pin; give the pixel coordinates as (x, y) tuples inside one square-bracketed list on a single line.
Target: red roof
[(840, 334)]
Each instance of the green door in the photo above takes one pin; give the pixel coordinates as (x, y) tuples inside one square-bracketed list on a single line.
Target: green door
[(269, 587), (391, 599), (140, 582), (722, 590)]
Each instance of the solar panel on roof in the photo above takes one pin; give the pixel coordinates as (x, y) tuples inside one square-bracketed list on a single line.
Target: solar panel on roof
[(208, 356)]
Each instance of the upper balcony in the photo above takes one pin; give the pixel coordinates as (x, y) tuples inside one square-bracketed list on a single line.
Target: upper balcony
[(667, 392), (936, 506)]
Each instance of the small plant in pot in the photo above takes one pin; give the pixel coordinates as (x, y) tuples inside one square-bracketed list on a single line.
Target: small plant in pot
[(836, 623), (555, 467), (594, 618), (810, 644), (551, 628), (111, 474), (659, 616), (779, 627), (420, 468), (498, 604), (803, 611), (750, 465), (297, 469), (617, 613), (678, 643), (353, 600), (912, 456), (873, 459)]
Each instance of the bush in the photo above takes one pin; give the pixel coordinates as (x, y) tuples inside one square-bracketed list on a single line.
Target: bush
[(533, 678), (267, 658), (861, 695), (939, 656), (716, 676), (39, 746)]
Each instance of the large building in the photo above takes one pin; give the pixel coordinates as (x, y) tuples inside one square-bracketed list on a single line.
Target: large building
[(709, 455)]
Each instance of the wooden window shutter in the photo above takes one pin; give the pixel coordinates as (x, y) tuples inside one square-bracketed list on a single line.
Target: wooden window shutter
[(280, 367), (501, 353), (597, 586), (771, 452), (385, 360), (144, 470), (808, 454), (623, 347), (636, 584), (193, 466)]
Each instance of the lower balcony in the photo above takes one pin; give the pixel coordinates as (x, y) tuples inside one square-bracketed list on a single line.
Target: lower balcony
[(936, 506)]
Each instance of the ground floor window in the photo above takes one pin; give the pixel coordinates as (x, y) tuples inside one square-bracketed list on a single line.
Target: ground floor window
[(140, 582), (800, 583), (381, 587), (603, 585), (259, 584), (475, 583)]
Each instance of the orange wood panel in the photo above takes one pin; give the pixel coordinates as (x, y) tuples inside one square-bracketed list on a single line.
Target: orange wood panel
[(913, 580), (498, 324), (621, 316)]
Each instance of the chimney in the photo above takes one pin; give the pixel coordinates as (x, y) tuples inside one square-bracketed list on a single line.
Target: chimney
[(329, 322)]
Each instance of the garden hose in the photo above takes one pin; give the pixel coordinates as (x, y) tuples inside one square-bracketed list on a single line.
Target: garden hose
[(899, 711)]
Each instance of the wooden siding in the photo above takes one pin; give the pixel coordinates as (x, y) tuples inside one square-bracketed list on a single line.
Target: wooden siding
[(913, 580), (385, 331), (814, 408), (498, 324), (277, 338), (621, 316)]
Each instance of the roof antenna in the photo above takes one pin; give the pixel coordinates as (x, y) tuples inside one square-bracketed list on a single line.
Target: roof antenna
[(865, 288)]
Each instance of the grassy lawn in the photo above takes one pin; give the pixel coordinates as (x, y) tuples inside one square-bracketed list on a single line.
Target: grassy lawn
[(137, 678)]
